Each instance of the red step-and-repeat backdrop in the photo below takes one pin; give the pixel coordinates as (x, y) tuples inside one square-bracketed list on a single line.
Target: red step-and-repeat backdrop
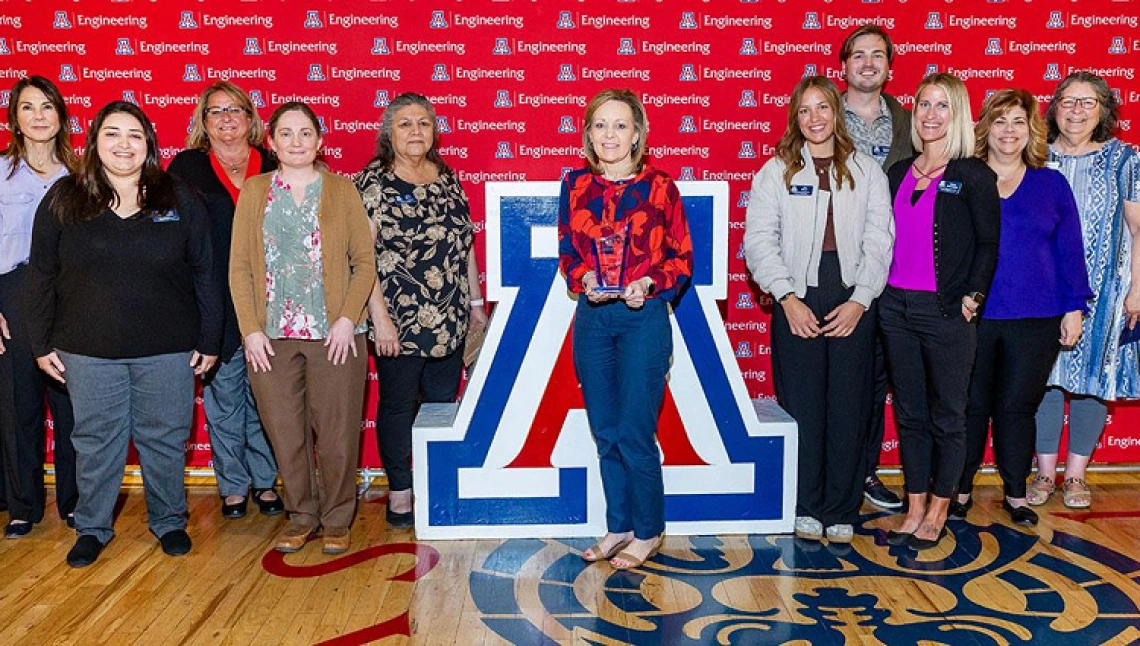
[(510, 81)]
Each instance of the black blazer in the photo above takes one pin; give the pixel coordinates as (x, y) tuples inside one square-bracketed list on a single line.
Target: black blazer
[(966, 228), (194, 167)]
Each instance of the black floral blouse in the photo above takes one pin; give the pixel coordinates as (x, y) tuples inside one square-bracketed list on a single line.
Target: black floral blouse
[(423, 240)]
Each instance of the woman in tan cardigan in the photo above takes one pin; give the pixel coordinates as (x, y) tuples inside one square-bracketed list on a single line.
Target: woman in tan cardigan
[(301, 270)]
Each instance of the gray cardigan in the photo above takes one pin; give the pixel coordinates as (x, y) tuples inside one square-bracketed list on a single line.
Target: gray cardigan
[(783, 235)]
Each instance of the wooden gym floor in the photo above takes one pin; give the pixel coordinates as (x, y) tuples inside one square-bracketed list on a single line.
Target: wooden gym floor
[(1075, 579)]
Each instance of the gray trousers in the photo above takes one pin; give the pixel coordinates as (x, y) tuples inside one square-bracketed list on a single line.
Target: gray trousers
[(242, 457), (149, 400)]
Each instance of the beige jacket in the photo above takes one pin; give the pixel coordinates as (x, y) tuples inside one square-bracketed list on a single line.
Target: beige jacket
[(349, 266)]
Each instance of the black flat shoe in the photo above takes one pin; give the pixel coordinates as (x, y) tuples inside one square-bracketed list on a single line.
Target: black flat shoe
[(176, 542), (1020, 515), (18, 530), (268, 507), (236, 510), (918, 544), (86, 550), (897, 538), (400, 520), (958, 510)]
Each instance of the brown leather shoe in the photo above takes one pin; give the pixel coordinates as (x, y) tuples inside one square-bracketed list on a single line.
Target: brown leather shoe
[(336, 540), (293, 538)]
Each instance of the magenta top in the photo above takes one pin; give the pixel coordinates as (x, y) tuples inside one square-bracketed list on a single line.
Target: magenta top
[(913, 264)]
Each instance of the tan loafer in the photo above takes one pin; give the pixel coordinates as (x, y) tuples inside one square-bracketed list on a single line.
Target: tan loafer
[(294, 537), (335, 540)]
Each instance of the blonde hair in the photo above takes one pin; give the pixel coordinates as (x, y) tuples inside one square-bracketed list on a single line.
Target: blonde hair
[(998, 104), (198, 139), (640, 127), (960, 130)]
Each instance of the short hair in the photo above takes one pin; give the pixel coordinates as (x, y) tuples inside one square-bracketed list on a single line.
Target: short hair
[(866, 30), (385, 153), (960, 130), (16, 150), (1001, 102), (640, 126), (1109, 107), (198, 139)]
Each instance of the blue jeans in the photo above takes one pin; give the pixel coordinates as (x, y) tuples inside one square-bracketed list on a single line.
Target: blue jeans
[(242, 456), (149, 400), (622, 357)]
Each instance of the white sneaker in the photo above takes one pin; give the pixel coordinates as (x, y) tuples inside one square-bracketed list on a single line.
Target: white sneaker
[(840, 533), (809, 528)]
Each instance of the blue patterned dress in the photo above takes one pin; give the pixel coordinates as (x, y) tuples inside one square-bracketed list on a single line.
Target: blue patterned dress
[(1102, 181)]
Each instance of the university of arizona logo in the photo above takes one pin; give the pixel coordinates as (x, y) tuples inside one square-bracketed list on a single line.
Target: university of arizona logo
[(503, 99), (811, 21), (5, 98), (503, 151), (1117, 46), (686, 174), (931, 68), (688, 73), (566, 20), (321, 124), (744, 350), (256, 99), (744, 301), (625, 47), (61, 21), (810, 70), (252, 47), (566, 170), (515, 458), (438, 21), (187, 21), (993, 47), (73, 125), (566, 125), (313, 20), (1056, 20), (66, 73), (688, 20), (746, 150), (743, 201), (747, 99), (381, 100), (566, 73), (687, 124), (933, 20), (502, 47), (190, 124), (748, 47), (123, 47), (439, 73), (740, 249), (191, 75), (441, 124), (316, 73), (380, 46), (1052, 72), (129, 97), (4, 51)]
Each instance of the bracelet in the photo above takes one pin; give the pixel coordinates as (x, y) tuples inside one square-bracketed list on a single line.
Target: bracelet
[(478, 302)]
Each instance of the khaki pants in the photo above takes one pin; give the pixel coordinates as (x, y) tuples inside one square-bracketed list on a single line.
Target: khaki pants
[(311, 411)]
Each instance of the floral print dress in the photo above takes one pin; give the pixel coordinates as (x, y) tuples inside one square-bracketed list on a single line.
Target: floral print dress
[(423, 241)]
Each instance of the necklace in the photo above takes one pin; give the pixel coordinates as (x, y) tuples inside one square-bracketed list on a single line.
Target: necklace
[(234, 166)]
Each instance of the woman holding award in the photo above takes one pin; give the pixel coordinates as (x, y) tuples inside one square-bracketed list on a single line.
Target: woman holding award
[(624, 244), (826, 283)]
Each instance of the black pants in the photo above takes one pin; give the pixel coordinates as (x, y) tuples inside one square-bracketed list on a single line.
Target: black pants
[(22, 414), (1012, 366), (878, 421), (930, 358), (825, 385), (405, 381)]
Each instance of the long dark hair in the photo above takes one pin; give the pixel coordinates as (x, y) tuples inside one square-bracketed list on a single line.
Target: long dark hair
[(791, 144), (16, 150), (90, 191), (385, 154)]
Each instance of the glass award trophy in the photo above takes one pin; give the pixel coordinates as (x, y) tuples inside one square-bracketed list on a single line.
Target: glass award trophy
[(610, 255)]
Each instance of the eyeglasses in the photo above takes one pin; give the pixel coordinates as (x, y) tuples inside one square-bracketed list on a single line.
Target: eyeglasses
[(1086, 102), (231, 110)]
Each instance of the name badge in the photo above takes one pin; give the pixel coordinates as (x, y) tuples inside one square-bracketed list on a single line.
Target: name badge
[(169, 216), (406, 199), (950, 187), (801, 190), (880, 151)]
